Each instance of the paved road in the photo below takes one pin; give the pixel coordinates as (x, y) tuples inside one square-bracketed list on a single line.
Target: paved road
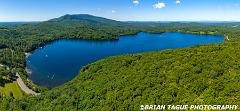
[(24, 87)]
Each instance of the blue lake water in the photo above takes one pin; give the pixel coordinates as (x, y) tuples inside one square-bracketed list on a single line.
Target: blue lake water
[(14, 23), (60, 61)]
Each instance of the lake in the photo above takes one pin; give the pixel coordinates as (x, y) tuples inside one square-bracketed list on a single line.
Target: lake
[(15, 23), (60, 61)]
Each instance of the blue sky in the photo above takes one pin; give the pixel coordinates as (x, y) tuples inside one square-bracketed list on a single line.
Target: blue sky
[(122, 10)]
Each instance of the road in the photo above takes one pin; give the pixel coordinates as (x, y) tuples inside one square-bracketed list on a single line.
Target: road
[(24, 87)]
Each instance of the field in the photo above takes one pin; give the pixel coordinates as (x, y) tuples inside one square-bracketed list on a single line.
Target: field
[(11, 89)]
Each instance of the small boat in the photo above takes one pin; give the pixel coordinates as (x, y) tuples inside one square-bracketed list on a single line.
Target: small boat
[(53, 76)]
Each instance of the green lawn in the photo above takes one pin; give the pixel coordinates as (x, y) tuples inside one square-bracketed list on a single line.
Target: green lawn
[(11, 87)]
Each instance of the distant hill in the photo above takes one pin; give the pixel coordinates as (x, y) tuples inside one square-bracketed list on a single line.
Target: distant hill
[(86, 19)]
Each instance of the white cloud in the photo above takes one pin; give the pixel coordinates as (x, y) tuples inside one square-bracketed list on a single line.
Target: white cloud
[(136, 2), (113, 11), (159, 5), (178, 2)]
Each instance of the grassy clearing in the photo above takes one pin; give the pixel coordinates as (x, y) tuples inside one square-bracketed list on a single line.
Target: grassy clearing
[(11, 89)]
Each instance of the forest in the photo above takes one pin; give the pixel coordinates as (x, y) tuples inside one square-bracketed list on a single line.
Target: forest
[(206, 74)]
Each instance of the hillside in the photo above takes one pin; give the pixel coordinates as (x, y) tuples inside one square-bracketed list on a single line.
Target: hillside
[(87, 19)]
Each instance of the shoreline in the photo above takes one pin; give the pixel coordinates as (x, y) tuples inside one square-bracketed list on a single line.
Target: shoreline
[(27, 54)]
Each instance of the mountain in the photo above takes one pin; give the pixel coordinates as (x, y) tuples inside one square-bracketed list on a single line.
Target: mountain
[(86, 19), (80, 26)]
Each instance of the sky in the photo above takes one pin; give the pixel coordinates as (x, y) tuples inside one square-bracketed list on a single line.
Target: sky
[(122, 10)]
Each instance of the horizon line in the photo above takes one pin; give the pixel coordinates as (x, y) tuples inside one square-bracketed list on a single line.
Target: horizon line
[(137, 21), (189, 20)]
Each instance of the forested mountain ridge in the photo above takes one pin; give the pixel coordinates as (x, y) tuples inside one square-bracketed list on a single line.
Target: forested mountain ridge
[(197, 75), (87, 19)]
